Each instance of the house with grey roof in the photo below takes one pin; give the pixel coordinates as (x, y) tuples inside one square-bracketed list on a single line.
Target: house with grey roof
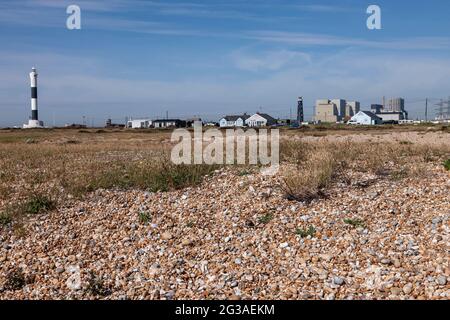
[(260, 120), (233, 121), (366, 118)]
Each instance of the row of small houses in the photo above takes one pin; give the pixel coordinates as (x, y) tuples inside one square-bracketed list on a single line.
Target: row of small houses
[(160, 123), (245, 120), (256, 120)]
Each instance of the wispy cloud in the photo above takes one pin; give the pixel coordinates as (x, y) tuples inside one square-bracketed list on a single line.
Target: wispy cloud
[(272, 60), (312, 39), (322, 8)]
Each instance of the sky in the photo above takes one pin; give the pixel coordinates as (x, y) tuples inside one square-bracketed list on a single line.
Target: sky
[(210, 58)]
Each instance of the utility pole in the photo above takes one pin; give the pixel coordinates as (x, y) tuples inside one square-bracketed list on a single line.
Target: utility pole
[(426, 110)]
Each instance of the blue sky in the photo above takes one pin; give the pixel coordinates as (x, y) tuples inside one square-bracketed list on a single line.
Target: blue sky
[(215, 57)]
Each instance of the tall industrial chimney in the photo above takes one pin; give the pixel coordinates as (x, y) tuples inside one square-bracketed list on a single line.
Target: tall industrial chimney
[(34, 121), (300, 112)]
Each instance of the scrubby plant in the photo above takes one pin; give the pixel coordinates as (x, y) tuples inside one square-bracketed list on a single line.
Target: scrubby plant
[(15, 280), (190, 224), (305, 181), (312, 167), (304, 233), (38, 204), (97, 286), (265, 219), (5, 218), (447, 164), (144, 217), (354, 222), (244, 172)]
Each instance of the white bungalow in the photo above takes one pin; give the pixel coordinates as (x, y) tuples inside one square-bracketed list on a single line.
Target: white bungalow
[(365, 118), (139, 123), (233, 121), (260, 120)]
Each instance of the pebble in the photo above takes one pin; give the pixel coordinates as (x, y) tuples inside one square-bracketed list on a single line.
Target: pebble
[(408, 288), (166, 236), (441, 280), (396, 291), (338, 281), (186, 242)]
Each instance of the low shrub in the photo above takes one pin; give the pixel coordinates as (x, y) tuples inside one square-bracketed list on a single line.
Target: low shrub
[(38, 204), (265, 219), (354, 222), (97, 287), (304, 233), (446, 164), (144, 217), (15, 280), (5, 218)]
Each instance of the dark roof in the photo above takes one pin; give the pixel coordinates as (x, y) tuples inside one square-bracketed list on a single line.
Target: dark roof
[(167, 120), (390, 112), (234, 118), (372, 115), (267, 117)]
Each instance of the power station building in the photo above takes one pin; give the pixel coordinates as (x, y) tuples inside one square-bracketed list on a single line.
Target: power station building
[(393, 112), (335, 110)]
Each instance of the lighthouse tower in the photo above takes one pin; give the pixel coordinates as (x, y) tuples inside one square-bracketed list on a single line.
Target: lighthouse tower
[(34, 121), (300, 111)]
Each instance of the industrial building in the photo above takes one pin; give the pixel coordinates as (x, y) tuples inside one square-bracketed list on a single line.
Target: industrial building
[(395, 105), (335, 110), (394, 112), (392, 117), (326, 111), (352, 108)]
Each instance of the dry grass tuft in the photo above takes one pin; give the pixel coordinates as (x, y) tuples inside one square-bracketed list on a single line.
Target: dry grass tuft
[(311, 167)]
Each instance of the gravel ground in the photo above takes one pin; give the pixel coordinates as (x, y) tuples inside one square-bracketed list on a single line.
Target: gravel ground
[(234, 237)]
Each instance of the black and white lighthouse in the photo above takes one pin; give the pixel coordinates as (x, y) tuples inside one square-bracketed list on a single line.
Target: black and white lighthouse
[(300, 112), (34, 121)]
